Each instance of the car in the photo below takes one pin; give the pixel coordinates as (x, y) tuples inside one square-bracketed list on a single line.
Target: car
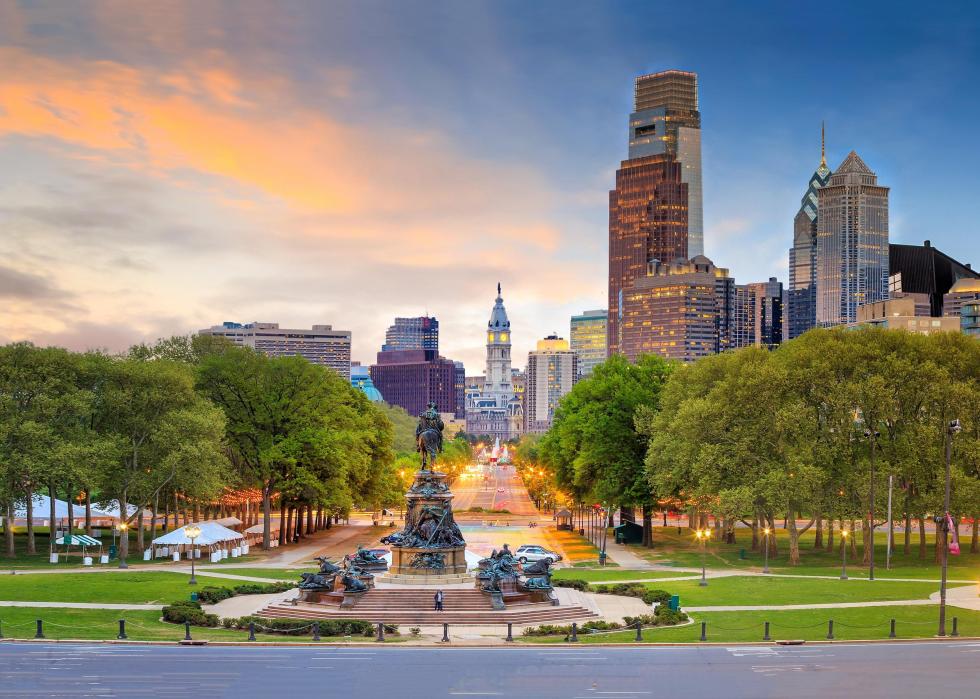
[(500, 490), (529, 553)]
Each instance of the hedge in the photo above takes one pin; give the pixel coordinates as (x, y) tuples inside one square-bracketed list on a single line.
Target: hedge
[(304, 627)]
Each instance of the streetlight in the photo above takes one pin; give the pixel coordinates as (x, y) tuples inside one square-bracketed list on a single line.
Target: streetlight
[(943, 522), (765, 539), (192, 532), (702, 536), (123, 528), (843, 553)]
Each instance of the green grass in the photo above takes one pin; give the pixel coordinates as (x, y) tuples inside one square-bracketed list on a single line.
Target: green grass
[(671, 548), (607, 575), (289, 574), (849, 624), (115, 588), (765, 590), (102, 624)]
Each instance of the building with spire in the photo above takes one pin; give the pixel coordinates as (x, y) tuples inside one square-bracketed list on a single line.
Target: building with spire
[(801, 297), (496, 410), (655, 211), (852, 243)]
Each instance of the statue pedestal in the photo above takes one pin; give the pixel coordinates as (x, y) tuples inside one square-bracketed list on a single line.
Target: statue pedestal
[(453, 560)]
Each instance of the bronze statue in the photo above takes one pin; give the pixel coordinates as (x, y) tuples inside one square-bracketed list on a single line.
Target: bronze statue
[(315, 581), (351, 582), (326, 567), (499, 565), (365, 556), (428, 436), (538, 575)]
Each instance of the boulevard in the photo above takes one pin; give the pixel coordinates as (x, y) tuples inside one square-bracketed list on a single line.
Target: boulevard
[(566, 672)]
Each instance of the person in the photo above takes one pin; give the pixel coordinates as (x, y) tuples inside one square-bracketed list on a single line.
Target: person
[(438, 599)]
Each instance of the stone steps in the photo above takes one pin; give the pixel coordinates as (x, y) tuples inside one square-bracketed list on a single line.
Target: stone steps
[(400, 579)]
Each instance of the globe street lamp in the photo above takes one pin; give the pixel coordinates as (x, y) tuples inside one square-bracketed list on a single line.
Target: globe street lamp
[(192, 532), (843, 554), (765, 539), (943, 524), (123, 531), (702, 536)]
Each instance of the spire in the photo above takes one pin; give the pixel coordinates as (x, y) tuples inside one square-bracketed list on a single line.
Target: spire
[(823, 149), (498, 288)]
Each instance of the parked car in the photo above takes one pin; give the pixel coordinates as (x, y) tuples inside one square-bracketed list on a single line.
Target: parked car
[(529, 553)]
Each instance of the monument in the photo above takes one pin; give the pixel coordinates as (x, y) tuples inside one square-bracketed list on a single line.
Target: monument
[(430, 545)]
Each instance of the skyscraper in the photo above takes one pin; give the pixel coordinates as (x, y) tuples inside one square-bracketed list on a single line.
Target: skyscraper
[(413, 378), (496, 411), (852, 243), (655, 211), (587, 338), (412, 333), (320, 345), (766, 321), (552, 370), (801, 297)]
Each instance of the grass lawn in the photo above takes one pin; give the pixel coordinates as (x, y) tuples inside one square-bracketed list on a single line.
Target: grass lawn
[(613, 574), (100, 624), (289, 574), (576, 548), (759, 590), (114, 588), (671, 548), (811, 625)]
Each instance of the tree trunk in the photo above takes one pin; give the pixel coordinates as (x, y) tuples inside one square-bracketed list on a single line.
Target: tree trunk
[(818, 533), (31, 546), (907, 547), (830, 534), (52, 528), (794, 541), (139, 531), (922, 537), (123, 533), (283, 524), (70, 501), (938, 547), (648, 526), (852, 539), (755, 531), (88, 512), (866, 551), (975, 536), (197, 511), (266, 517), (300, 529), (154, 511), (8, 530), (309, 520)]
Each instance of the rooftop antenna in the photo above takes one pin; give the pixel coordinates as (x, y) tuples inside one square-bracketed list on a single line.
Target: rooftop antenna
[(823, 150)]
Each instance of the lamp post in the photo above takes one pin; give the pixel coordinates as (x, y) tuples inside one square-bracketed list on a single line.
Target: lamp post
[(123, 531), (765, 544), (702, 536), (843, 553), (952, 429), (872, 437), (192, 532)]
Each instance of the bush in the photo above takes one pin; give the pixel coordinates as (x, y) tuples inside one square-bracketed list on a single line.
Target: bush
[(663, 617), (571, 582), (184, 611), (566, 629), (415, 631), (304, 627), (633, 590), (658, 596), (212, 595)]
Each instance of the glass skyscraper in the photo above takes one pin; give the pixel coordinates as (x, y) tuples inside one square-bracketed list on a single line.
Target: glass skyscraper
[(587, 338), (852, 243), (802, 296), (412, 333)]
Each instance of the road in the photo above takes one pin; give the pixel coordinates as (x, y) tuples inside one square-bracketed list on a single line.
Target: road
[(503, 490), (524, 672)]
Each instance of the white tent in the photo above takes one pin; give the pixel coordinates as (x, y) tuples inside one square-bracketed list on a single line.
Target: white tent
[(218, 532), (178, 537), (258, 528), (42, 509)]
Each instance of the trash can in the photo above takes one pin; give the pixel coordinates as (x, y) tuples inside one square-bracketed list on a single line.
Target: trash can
[(113, 551), (675, 602), (193, 597), (53, 558), (87, 561), (741, 554)]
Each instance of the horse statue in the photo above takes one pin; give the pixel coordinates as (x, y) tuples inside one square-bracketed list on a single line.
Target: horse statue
[(428, 436)]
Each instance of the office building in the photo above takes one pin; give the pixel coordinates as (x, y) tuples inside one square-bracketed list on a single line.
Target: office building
[(904, 313), (412, 333), (587, 338), (852, 243), (922, 269), (962, 302), (767, 320), (320, 345), (552, 370), (496, 410), (459, 386), (801, 296), (413, 378), (681, 310), (655, 211)]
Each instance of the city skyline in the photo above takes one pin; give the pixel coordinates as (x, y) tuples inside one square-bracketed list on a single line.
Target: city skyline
[(171, 175)]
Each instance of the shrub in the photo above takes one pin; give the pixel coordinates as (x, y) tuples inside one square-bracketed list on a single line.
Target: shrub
[(304, 627), (263, 588), (184, 611), (212, 595), (633, 590), (571, 582), (415, 631), (658, 596), (663, 617)]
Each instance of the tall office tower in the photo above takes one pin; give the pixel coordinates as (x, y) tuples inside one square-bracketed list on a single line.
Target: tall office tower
[(412, 333), (320, 345), (655, 211), (742, 329), (767, 310), (852, 243), (801, 297), (587, 338), (496, 410), (413, 378), (680, 310), (552, 370), (460, 389)]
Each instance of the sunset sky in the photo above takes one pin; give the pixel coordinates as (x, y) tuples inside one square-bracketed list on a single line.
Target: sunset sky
[(168, 168)]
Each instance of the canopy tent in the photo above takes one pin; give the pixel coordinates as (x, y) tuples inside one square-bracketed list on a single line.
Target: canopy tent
[(178, 537), (112, 511), (274, 525), (78, 540), (230, 522), (42, 509)]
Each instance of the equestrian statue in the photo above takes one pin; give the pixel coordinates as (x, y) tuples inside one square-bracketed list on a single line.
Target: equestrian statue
[(428, 436)]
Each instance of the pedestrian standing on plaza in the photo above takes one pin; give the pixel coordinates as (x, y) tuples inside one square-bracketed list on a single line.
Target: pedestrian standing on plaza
[(438, 599)]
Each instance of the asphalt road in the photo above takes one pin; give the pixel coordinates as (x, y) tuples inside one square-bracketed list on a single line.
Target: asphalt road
[(502, 491), (946, 669)]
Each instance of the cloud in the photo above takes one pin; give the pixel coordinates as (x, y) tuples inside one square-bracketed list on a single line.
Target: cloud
[(22, 286)]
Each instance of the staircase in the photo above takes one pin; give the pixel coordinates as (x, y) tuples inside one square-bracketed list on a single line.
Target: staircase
[(472, 607)]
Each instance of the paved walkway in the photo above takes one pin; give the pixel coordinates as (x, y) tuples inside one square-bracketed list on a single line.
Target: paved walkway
[(82, 605)]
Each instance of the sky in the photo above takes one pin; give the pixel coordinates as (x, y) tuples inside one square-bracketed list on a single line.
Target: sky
[(168, 166)]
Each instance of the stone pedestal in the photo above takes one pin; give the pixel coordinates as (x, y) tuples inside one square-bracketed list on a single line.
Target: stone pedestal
[(453, 562)]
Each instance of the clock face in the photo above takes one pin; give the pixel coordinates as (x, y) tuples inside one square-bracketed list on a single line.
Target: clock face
[(503, 337), (489, 337)]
